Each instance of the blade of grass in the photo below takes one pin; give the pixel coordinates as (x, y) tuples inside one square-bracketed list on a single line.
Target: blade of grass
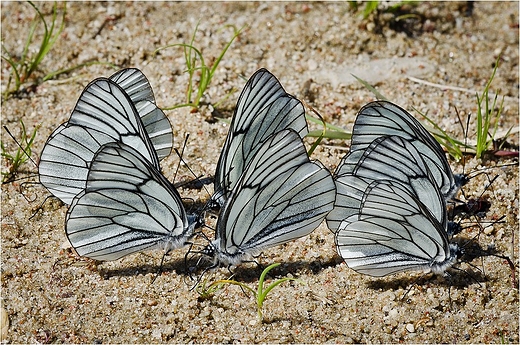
[(191, 56), (261, 293), (331, 131), (320, 137), (54, 74), (452, 145), (371, 88), (484, 138)]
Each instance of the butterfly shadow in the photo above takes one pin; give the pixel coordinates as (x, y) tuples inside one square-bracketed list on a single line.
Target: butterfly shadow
[(249, 274), (176, 265)]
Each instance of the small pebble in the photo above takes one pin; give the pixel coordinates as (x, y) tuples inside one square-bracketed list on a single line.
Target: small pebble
[(410, 328), (4, 322), (489, 230)]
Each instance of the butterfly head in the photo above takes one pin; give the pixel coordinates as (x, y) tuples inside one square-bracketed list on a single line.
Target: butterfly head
[(440, 267), (222, 257), (453, 229)]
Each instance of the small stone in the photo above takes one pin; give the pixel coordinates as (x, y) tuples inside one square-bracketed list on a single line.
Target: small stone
[(410, 328), (4, 322), (313, 65), (488, 230)]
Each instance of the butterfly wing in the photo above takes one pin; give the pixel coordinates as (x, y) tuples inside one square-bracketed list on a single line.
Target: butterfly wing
[(103, 113), (281, 196), (386, 158), (155, 122), (393, 232), (135, 84), (263, 109), (382, 118), (127, 206)]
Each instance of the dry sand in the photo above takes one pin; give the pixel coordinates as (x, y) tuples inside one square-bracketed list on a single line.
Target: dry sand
[(51, 295)]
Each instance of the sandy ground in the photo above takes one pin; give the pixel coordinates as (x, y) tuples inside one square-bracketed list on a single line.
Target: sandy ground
[(52, 295)]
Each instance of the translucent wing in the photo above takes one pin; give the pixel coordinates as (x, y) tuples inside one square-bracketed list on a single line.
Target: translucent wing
[(394, 232), (281, 196), (157, 127), (263, 109), (104, 113), (156, 124), (127, 206), (386, 158), (383, 118), (135, 84)]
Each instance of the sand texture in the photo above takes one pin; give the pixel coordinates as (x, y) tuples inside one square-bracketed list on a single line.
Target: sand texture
[(53, 296)]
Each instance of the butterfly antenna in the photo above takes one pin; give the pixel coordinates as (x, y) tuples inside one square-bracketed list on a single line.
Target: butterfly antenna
[(41, 205), (191, 171), (22, 178), (483, 170), (181, 155)]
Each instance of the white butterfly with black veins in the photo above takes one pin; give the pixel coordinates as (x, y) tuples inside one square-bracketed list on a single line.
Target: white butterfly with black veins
[(395, 232), (263, 109), (105, 112), (127, 206), (382, 118), (389, 158), (281, 196)]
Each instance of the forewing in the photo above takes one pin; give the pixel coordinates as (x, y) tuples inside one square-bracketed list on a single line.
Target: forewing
[(263, 109), (280, 197), (157, 127), (135, 84), (103, 113), (155, 122), (383, 118)]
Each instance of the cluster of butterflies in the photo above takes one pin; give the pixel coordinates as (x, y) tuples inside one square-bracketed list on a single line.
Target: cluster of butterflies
[(386, 202)]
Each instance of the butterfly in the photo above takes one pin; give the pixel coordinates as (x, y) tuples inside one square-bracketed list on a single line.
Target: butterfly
[(382, 118), (127, 206), (280, 196), (395, 232), (105, 112), (263, 109), (390, 158)]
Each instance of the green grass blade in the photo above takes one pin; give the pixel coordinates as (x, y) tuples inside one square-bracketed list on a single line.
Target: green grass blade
[(378, 95), (319, 137), (330, 132), (370, 6), (226, 47), (329, 135), (484, 120), (261, 293), (452, 145)]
